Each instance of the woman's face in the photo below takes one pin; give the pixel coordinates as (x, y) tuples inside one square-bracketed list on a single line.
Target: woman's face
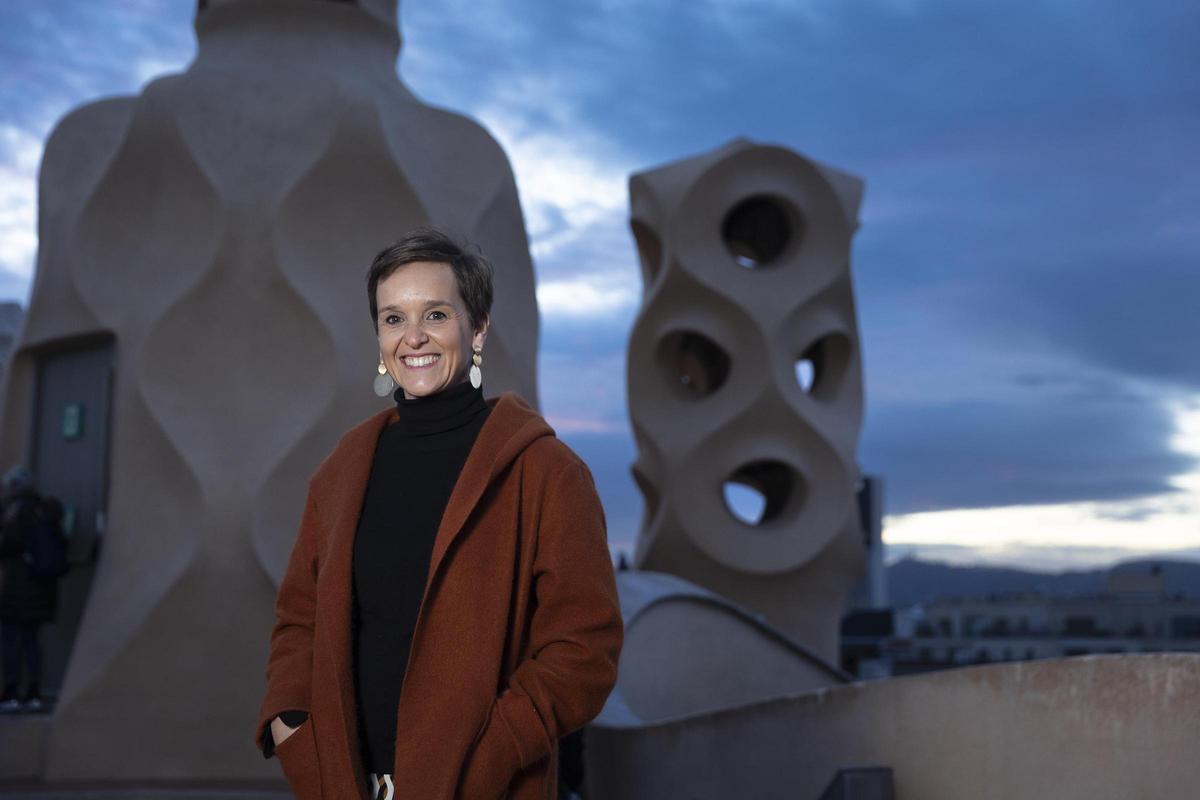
[(425, 335)]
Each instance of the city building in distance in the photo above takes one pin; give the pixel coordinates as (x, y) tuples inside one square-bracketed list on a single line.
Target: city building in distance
[(1134, 613)]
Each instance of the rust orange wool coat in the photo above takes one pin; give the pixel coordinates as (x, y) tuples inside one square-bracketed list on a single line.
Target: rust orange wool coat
[(517, 636)]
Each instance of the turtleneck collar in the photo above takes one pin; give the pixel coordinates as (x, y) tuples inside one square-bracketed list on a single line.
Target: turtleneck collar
[(437, 413)]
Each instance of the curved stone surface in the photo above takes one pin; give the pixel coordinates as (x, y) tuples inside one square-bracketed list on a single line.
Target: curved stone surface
[(1109, 727), (744, 371), (690, 651), (219, 226)]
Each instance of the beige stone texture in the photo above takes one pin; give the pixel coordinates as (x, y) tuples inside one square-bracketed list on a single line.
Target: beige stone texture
[(219, 226), (688, 651), (744, 367), (1120, 727)]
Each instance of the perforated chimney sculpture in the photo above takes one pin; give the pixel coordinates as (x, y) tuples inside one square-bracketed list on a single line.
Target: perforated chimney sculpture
[(217, 229), (744, 372)]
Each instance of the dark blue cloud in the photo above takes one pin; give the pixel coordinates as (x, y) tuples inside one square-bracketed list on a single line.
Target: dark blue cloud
[(1090, 442), (1135, 312)]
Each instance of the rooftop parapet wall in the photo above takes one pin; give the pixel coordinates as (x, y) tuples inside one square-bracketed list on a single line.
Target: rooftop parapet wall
[(1089, 728)]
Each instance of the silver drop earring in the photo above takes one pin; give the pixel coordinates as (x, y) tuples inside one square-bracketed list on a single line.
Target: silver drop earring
[(384, 385), (476, 374)]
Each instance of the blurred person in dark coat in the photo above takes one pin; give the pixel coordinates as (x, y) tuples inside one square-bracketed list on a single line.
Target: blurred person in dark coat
[(26, 600)]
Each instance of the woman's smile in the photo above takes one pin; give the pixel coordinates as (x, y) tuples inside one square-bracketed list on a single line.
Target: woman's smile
[(420, 362)]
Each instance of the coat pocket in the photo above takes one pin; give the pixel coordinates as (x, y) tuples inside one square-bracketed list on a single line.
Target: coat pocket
[(488, 771), (297, 755)]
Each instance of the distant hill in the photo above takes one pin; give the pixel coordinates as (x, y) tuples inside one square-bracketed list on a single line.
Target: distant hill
[(913, 581)]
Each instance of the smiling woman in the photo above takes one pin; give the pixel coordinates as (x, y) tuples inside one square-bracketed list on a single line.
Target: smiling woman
[(449, 610), (429, 303)]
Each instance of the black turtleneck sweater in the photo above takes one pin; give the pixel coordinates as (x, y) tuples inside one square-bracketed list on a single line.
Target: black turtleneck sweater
[(417, 461)]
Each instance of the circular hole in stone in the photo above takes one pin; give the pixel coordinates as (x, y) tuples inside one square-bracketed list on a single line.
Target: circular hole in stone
[(695, 364), (758, 230), (745, 503), (820, 367), (758, 492), (806, 373)]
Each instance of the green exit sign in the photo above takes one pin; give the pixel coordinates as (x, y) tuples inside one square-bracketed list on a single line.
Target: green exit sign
[(72, 422)]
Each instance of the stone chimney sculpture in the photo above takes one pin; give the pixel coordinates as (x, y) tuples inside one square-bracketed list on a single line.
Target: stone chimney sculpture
[(744, 371), (216, 230)]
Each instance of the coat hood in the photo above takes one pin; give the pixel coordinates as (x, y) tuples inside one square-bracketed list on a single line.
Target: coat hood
[(511, 428)]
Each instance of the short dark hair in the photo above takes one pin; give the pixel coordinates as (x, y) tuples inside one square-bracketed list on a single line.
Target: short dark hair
[(472, 272)]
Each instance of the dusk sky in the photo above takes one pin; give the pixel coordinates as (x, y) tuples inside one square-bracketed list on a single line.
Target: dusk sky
[(1027, 271)]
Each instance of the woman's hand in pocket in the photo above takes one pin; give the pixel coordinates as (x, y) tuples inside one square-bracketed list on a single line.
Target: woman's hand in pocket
[(280, 731)]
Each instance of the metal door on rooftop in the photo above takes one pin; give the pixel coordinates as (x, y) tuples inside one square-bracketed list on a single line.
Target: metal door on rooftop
[(70, 462)]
